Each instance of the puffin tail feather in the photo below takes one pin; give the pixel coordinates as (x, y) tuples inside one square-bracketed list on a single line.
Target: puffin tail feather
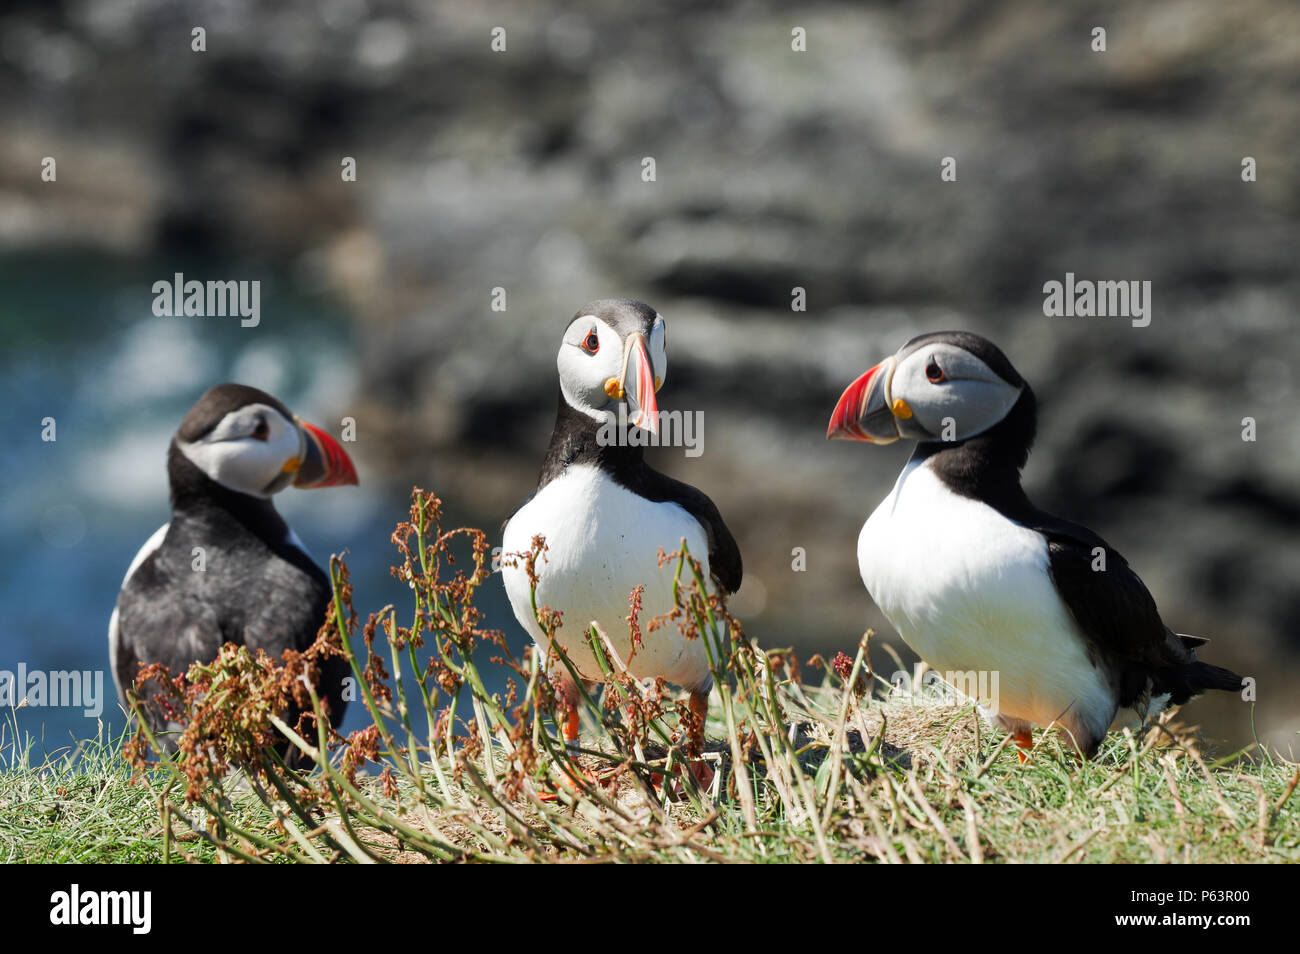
[(1178, 684), (1200, 676)]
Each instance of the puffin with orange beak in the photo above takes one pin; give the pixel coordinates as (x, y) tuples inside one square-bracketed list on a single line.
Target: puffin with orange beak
[(605, 513), (977, 580), (227, 568)]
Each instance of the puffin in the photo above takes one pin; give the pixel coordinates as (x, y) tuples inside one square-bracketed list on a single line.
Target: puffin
[(976, 578), (227, 568), (606, 514)]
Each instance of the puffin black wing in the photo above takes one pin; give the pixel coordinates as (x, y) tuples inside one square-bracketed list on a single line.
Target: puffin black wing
[(1118, 617), (724, 556)]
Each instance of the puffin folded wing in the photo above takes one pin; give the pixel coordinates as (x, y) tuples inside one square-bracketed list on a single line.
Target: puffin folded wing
[(1118, 618), (725, 565)]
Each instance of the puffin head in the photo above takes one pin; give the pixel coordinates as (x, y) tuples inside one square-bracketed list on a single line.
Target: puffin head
[(613, 353), (247, 441), (943, 386)]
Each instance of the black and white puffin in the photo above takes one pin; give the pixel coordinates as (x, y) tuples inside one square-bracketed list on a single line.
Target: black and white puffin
[(606, 514), (975, 578), (227, 568)]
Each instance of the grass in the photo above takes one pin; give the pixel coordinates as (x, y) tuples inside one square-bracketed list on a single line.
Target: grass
[(836, 771), (933, 800), (79, 807)]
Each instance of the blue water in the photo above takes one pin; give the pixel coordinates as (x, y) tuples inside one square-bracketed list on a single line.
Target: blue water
[(82, 345)]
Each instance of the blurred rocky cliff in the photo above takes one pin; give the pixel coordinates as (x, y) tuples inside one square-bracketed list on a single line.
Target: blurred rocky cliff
[(522, 169)]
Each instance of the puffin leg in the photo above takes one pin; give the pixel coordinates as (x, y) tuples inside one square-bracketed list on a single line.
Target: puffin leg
[(571, 725), (572, 716), (570, 729), (699, 705), (702, 771), (699, 709), (1024, 739)]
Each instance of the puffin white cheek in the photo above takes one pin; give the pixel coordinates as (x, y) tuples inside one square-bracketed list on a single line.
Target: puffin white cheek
[(947, 420), (583, 377), (967, 410), (252, 471), (247, 466)]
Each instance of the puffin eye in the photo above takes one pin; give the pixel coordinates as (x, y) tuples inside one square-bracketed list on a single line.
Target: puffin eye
[(261, 430), (591, 343), (933, 373)]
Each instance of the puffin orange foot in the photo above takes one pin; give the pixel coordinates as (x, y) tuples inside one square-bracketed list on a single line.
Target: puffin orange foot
[(1025, 741)]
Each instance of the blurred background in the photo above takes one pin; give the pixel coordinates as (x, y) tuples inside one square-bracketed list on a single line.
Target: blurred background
[(522, 169)]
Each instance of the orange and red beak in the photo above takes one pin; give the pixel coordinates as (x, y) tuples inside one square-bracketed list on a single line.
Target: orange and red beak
[(324, 463), (639, 384), (864, 412)]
